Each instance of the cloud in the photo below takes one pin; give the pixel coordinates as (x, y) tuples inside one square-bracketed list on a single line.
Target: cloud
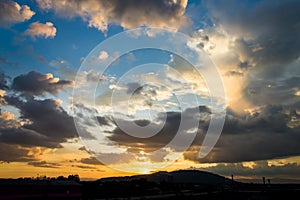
[(127, 13), (257, 170), (166, 133), (2, 100), (63, 68), (258, 134), (261, 90), (11, 13), (134, 88), (144, 93), (37, 29), (157, 141), (14, 153), (115, 158), (41, 123), (90, 161), (85, 167), (257, 57), (8, 63), (266, 48), (35, 83), (7, 119), (83, 148), (44, 164), (29, 50), (103, 55), (234, 73), (272, 39), (3, 81), (103, 121), (6, 115), (47, 118), (263, 134), (26, 137)]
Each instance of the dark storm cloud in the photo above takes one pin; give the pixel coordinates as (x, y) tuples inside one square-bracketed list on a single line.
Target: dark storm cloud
[(271, 117), (13, 153), (268, 30), (267, 44), (260, 169), (47, 118), (25, 137), (164, 136), (264, 91), (13, 132), (45, 124), (157, 141), (49, 124), (263, 38), (264, 134), (35, 83)]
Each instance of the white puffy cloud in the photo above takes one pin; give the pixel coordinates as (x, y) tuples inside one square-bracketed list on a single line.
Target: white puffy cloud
[(11, 13), (37, 29), (127, 13), (103, 55)]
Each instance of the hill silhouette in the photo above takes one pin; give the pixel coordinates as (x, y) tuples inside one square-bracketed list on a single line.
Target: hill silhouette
[(181, 184), (180, 176)]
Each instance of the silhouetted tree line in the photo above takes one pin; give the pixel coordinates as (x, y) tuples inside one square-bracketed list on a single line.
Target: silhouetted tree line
[(71, 177)]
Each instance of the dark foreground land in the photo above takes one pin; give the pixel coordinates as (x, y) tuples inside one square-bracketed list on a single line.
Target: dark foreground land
[(187, 184)]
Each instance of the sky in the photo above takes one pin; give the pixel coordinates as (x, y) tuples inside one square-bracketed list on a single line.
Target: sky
[(78, 97)]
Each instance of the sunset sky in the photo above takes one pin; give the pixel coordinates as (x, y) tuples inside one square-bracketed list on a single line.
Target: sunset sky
[(49, 74)]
